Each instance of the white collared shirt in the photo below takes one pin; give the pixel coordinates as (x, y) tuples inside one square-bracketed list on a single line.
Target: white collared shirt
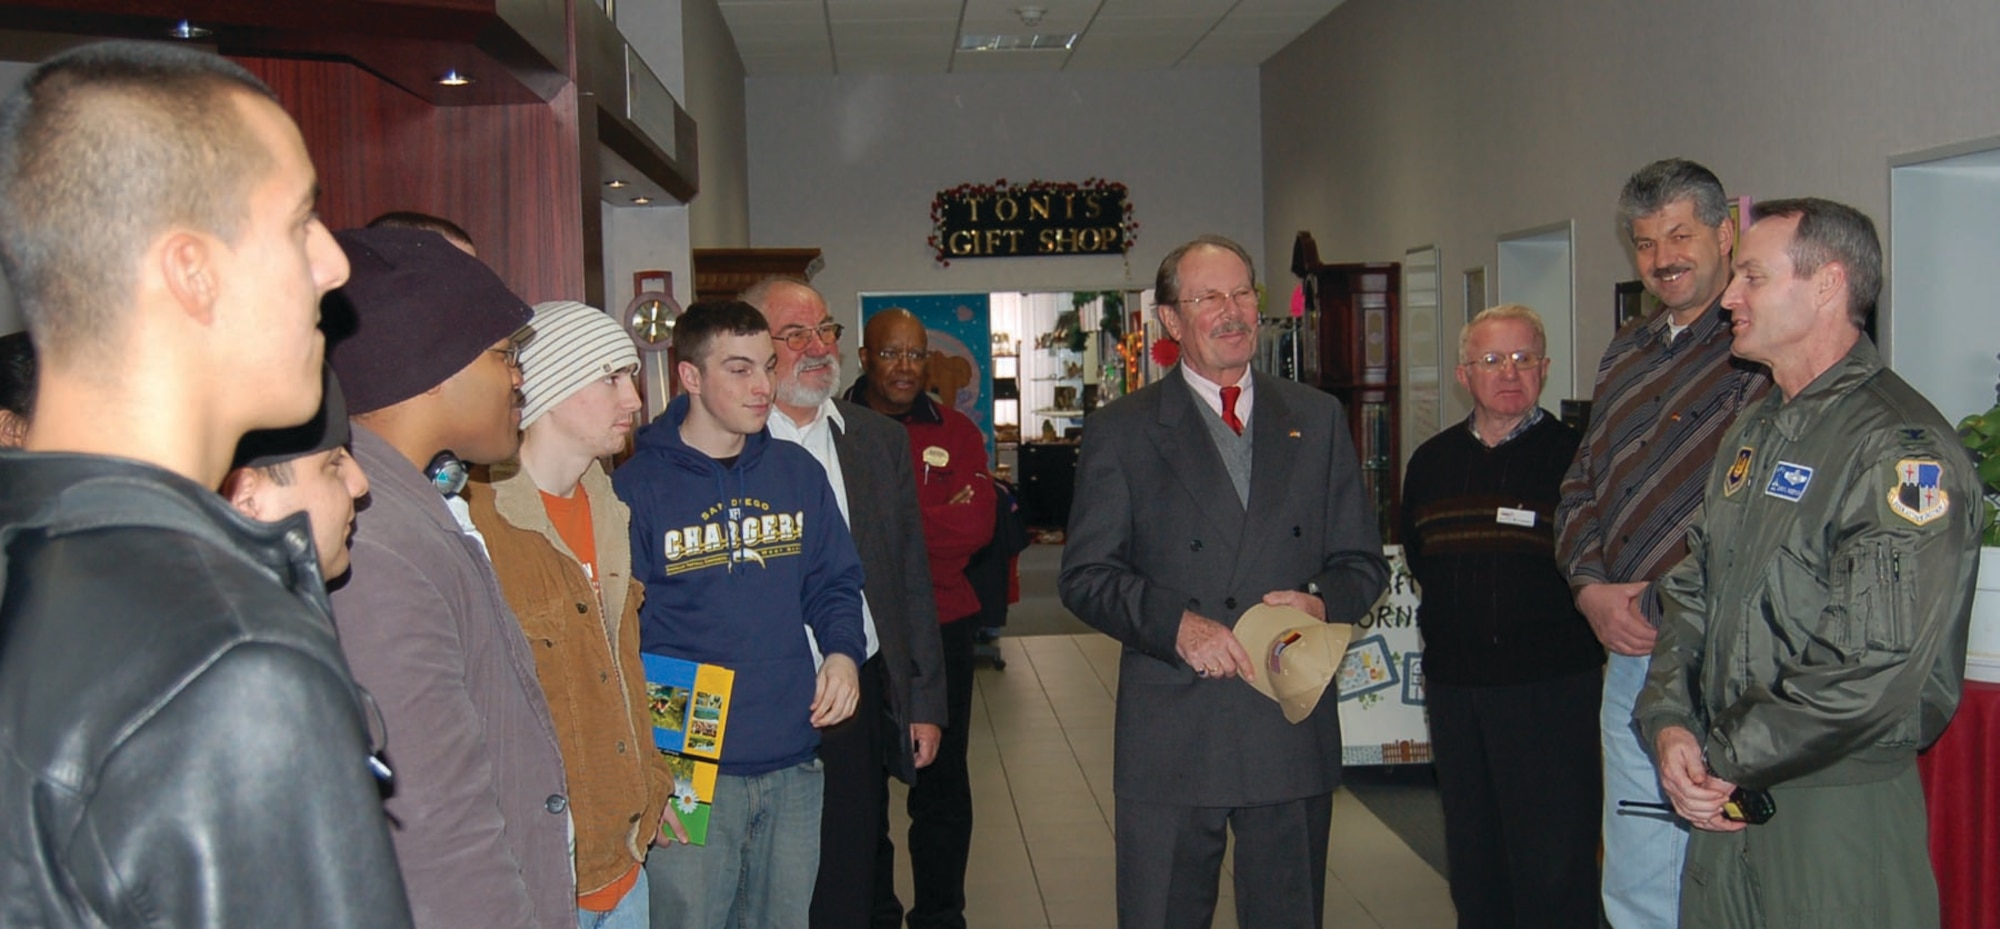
[(816, 437), (461, 510), (1211, 393)]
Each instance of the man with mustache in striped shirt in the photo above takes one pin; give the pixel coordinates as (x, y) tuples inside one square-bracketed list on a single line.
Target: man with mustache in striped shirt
[(1666, 389)]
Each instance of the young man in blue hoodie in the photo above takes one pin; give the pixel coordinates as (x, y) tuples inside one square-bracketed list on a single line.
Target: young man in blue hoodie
[(741, 543)]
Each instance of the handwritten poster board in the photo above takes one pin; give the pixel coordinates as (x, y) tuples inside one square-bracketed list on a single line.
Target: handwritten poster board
[(1381, 679)]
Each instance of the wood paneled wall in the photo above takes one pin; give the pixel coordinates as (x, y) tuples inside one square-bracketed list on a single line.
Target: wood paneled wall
[(508, 174)]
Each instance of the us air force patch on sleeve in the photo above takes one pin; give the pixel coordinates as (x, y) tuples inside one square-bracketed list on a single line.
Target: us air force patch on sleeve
[(1789, 481), (1739, 472), (1919, 494)]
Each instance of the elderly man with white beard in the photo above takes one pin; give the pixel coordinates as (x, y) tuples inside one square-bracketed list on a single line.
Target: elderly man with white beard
[(867, 460)]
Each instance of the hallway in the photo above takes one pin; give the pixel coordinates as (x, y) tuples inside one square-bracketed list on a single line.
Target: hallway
[(1042, 849)]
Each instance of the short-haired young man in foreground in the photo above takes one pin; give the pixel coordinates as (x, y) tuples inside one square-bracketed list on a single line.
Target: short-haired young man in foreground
[(183, 743)]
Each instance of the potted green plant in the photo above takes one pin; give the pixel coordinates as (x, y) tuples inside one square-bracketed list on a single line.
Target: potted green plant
[(1981, 434)]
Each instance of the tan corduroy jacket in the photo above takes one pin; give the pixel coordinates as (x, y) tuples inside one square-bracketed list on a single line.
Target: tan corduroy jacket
[(618, 783)]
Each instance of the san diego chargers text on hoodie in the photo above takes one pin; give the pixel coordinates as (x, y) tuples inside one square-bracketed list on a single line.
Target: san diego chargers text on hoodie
[(737, 560)]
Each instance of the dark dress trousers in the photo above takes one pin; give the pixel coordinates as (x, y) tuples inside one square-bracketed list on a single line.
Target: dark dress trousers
[(904, 683), (1157, 528)]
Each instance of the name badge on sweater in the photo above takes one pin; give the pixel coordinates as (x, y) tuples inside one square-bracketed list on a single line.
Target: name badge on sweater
[(1508, 516), (1789, 481)]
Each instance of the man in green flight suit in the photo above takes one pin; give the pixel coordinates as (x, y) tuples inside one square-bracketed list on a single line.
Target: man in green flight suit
[(1815, 634)]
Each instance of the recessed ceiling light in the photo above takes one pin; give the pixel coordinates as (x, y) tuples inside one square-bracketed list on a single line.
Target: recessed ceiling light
[(452, 78), (1044, 42), (188, 30), (614, 183), (642, 201)]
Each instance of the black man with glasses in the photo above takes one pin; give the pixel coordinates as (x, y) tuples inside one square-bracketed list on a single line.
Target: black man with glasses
[(955, 494), (899, 721), (1512, 671), (1213, 490)]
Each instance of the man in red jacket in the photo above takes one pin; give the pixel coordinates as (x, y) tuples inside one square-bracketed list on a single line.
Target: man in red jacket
[(954, 489)]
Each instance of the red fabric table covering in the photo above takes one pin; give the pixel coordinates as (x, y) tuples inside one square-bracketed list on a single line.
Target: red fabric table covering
[(1961, 776)]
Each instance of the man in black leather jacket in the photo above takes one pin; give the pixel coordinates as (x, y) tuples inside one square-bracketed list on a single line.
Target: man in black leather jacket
[(181, 743)]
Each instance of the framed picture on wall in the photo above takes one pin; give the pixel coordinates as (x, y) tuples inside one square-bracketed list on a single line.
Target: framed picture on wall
[(1475, 291), (1632, 302)]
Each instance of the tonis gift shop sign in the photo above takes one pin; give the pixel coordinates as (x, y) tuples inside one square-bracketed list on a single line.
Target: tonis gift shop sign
[(1000, 220)]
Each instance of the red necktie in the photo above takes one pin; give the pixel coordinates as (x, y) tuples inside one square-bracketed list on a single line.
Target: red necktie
[(1229, 395)]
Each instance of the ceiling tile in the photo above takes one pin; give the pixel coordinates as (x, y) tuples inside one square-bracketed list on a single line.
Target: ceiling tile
[(938, 35), (930, 63), (1212, 9), (856, 48), (1245, 50), (1322, 7), (814, 33), (919, 36), (787, 64), (858, 11), (1152, 25), (1124, 55), (1289, 24), (1000, 18), (759, 15)]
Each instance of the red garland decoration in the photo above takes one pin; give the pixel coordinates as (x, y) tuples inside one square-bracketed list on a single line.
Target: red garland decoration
[(1166, 352), (1092, 184)]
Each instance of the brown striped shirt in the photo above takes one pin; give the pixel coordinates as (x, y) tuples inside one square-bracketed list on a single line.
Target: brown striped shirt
[(1659, 409)]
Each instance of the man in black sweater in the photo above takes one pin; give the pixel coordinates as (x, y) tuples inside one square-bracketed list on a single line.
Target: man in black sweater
[(1512, 669)]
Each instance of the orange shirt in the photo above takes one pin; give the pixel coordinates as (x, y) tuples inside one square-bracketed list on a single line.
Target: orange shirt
[(571, 517)]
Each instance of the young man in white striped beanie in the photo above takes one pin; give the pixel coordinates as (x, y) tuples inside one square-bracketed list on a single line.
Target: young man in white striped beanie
[(557, 536)]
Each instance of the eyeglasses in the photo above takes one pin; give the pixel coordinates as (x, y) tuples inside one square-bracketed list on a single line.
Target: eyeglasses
[(797, 339), (1494, 361), (890, 356), (1245, 297), (511, 356)]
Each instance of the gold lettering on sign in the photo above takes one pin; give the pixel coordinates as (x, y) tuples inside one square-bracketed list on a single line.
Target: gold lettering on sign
[(1040, 219), (1086, 241)]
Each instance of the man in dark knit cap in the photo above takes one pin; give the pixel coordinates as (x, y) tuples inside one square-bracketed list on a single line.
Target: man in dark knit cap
[(1510, 666), (426, 346), (305, 469)]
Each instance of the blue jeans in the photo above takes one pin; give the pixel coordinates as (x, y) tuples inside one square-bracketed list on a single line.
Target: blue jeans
[(1643, 849), (762, 856), (630, 913)]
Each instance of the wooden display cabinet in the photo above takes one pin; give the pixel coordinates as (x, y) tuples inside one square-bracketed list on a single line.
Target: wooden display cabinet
[(1352, 311)]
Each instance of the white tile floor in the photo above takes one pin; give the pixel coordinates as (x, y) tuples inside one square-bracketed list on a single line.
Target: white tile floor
[(1041, 786)]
